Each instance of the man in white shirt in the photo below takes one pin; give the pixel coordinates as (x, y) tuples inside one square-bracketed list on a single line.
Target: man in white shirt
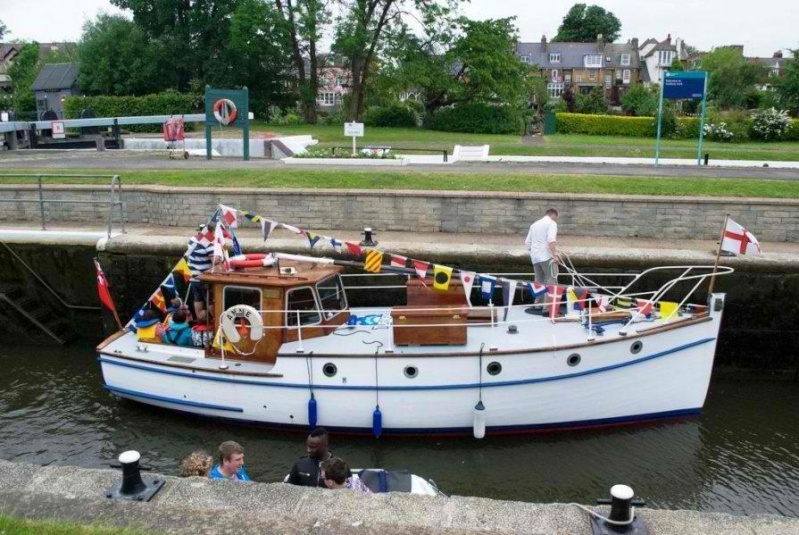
[(542, 243)]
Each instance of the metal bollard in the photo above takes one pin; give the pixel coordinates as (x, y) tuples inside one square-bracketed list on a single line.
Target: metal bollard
[(132, 486), (707, 157), (367, 237)]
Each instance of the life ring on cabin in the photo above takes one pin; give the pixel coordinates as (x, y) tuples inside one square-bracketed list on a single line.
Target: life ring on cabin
[(247, 313), (251, 260)]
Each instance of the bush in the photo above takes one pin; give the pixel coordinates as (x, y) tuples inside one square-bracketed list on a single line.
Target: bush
[(770, 125), (316, 152), (478, 118), (718, 132), (285, 117), (166, 103), (736, 122), (594, 102), (792, 133), (605, 125), (395, 116), (639, 101), (556, 106)]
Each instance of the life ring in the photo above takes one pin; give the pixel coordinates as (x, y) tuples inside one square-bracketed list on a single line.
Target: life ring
[(251, 260), (246, 312), (225, 111)]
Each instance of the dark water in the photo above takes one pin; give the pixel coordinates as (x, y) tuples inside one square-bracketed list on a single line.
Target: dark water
[(740, 456)]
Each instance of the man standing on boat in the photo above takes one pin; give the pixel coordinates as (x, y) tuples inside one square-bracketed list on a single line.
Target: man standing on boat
[(200, 258), (307, 472), (542, 243)]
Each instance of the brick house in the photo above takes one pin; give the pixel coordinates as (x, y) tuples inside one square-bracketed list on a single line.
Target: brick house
[(583, 66)]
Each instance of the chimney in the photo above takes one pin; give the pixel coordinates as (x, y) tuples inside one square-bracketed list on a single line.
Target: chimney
[(634, 42), (668, 38), (543, 43), (600, 43), (778, 54)]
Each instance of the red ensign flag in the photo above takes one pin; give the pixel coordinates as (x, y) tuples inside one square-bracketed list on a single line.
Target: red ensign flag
[(102, 288)]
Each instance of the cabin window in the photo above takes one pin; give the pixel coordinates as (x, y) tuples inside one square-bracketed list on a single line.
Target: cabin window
[(331, 296), (304, 301), (238, 295)]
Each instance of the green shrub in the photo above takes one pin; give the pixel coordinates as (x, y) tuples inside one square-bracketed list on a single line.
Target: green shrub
[(478, 118), (770, 124), (556, 106), (395, 116), (792, 134), (639, 101), (605, 125), (736, 122), (166, 103), (593, 102)]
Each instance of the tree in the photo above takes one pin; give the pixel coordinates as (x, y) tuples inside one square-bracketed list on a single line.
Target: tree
[(594, 102), (194, 34), (304, 22), (732, 79), (3, 29), (117, 58), (362, 31), (584, 23), (640, 101), (787, 86), (22, 73)]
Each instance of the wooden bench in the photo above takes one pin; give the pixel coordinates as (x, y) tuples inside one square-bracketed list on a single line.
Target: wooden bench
[(473, 153)]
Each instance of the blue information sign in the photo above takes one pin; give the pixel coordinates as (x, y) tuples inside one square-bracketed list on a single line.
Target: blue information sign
[(684, 85)]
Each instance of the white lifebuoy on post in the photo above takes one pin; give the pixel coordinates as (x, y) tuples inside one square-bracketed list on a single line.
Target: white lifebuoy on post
[(245, 312)]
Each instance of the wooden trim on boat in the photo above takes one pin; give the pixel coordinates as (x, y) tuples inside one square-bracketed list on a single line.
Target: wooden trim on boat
[(192, 368), (111, 338), (654, 330)]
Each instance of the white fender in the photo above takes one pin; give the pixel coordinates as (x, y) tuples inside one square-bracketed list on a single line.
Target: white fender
[(228, 322)]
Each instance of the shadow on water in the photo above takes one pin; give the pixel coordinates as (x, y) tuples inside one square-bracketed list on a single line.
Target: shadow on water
[(739, 456)]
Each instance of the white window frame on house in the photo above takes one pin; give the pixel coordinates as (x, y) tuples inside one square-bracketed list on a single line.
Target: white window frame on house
[(665, 57), (618, 74), (625, 76), (593, 61), (554, 57), (555, 89), (625, 59), (567, 77), (326, 98), (553, 75), (608, 79), (579, 77), (592, 75)]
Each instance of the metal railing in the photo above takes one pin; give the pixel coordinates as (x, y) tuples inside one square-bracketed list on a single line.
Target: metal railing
[(114, 198)]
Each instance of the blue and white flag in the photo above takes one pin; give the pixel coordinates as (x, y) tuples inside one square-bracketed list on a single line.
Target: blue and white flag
[(508, 294), (267, 226), (536, 290), (336, 245), (487, 283), (236, 246)]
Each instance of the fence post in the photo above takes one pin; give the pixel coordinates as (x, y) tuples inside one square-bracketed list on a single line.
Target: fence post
[(41, 201)]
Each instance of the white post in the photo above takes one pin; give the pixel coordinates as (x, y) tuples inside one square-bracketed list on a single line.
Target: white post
[(354, 149), (390, 348), (299, 335), (493, 328), (590, 332)]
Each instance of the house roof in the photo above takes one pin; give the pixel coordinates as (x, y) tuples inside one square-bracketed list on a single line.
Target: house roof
[(572, 54), (663, 45), (54, 76)]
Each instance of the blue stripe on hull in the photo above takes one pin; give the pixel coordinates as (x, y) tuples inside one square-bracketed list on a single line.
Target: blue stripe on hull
[(125, 392), (460, 431), (152, 369)]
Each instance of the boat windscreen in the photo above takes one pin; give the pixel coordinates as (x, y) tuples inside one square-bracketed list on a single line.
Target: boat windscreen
[(331, 296)]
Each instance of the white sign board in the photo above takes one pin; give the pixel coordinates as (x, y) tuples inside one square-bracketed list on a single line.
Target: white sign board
[(353, 129), (4, 116), (58, 130)]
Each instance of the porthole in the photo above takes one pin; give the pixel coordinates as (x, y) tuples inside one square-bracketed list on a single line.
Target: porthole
[(636, 347), (411, 372), (574, 359), (494, 368), (329, 369)]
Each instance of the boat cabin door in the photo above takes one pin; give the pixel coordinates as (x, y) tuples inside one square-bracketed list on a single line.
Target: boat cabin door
[(251, 344)]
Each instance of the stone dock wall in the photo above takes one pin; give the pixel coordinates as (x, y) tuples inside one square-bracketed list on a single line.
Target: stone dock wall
[(199, 506), (775, 220)]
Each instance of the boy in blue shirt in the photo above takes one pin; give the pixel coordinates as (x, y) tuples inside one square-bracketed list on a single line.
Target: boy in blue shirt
[(231, 463)]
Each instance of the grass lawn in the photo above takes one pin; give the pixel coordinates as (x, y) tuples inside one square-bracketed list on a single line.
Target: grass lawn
[(554, 145), (16, 526), (290, 177)]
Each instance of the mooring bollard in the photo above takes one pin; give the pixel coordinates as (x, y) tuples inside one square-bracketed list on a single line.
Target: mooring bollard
[(622, 518), (132, 486), (367, 237)]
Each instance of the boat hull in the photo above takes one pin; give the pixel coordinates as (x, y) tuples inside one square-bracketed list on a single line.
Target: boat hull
[(615, 382)]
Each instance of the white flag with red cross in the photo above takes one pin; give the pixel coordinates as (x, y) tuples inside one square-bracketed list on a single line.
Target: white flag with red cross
[(738, 240), (229, 216)]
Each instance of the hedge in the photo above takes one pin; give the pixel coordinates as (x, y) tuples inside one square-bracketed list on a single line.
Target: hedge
[(793, 132), (166, 103), (614, 125), (478, 119), (394, 116)]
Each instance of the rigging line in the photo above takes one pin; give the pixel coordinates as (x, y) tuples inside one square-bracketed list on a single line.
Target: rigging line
[(480, 391), (353, 332)]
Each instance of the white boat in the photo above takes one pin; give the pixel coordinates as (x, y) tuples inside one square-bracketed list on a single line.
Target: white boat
[(437, 365)]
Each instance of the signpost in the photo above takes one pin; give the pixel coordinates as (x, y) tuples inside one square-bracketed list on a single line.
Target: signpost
[(689, 85), (227, 107), (354, 130)]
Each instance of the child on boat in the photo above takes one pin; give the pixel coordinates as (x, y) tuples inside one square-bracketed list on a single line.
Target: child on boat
[(178, 332), (198, 463), (147, 327)]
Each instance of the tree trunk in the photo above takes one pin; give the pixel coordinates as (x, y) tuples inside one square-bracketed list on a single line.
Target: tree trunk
[(306, 88)]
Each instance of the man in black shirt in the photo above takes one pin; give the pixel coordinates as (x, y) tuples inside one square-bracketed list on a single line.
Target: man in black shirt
[(306, 471)]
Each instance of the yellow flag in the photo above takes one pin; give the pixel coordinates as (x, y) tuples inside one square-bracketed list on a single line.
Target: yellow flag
[(374, 261), (441, 277), (183, 268), (667, 308)]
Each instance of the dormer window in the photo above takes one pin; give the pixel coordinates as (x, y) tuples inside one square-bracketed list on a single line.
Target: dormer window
[(665, 57), (554, 58), (625, 59), (593, 61)]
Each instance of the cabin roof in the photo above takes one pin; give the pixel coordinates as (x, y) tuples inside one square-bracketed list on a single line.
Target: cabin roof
[(306, 274)]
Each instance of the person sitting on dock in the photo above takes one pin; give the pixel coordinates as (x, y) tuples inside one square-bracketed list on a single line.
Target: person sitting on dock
[(198, 463), (178, 331), (335, 475), (231, 463), (306, 471), (147, 327)]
